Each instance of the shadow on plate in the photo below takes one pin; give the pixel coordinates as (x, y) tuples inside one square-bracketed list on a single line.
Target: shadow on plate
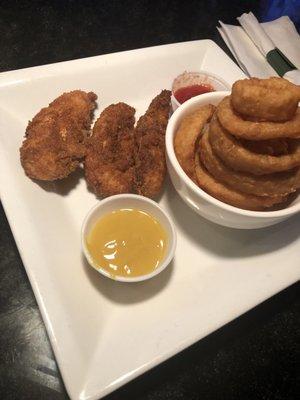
[(127, 293), (228, 242), (63, 186)]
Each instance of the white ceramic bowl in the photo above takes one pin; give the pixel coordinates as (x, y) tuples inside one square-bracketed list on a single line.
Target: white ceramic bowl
[(129, 201), (190, 78), (200, 201)]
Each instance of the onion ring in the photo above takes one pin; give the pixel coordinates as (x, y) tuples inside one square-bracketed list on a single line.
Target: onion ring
[(280, 183), (271, 147), (274, 99), (237, 126), (239, 158), (187, 135), (230, 196)]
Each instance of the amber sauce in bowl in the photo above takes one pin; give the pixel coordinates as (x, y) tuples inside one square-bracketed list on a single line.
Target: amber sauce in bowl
[(128, 238), (127, 242)]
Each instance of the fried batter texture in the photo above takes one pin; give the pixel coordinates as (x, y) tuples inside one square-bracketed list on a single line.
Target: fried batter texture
[(252, 130), (281, 183), (228, 195), (149, 134), (187, 135), (238, 157), (271, 147), (109, 162), (274, 99), (55, 138), (246, 156)]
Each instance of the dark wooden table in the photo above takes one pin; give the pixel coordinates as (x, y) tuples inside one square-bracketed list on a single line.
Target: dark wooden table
[(254, 357)]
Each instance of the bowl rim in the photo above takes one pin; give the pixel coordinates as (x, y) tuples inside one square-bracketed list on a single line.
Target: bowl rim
[(126, 196), (170, 133)]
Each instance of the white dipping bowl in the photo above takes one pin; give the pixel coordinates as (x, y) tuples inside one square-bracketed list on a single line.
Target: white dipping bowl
[(129, 201), (200, 77), (207, 206)]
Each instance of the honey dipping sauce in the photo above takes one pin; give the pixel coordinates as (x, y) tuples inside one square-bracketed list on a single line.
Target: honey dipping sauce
[(127, 242)]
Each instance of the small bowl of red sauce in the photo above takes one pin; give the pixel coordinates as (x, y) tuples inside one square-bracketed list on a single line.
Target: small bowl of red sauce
[(191, 84)]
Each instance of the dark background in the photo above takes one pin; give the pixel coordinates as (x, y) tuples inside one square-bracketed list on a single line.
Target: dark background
[(254, 357)]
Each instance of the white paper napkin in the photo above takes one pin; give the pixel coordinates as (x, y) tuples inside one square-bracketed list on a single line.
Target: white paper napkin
[(285, 37), (280, 33), (256, 33), (249, 58)]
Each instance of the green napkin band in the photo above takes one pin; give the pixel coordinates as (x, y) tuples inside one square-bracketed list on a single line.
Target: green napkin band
[(279, 62)]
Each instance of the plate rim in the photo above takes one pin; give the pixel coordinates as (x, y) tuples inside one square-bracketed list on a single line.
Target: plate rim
[(8, 78)]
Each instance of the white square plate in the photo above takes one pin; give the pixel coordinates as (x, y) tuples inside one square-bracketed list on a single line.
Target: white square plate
[(106, 333)]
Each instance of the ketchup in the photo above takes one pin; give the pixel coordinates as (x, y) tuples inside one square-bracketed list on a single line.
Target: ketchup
[(185, 93)]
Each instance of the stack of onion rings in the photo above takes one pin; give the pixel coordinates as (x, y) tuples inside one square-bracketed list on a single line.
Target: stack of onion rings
[(281, 183), (251, 130), (230, 196), (249, 156), (232, 152)]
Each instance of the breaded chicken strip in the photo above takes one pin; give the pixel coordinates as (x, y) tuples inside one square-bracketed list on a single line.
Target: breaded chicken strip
[(150, 163), (109, 163), (55, 139)]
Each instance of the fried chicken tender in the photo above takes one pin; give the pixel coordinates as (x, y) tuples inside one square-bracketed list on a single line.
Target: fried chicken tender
[(55, 139), (150, 163), (109, 163)]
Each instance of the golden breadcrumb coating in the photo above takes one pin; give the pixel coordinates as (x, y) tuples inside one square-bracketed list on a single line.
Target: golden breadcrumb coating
[(150, 163), (109, 163), (55, 139)]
